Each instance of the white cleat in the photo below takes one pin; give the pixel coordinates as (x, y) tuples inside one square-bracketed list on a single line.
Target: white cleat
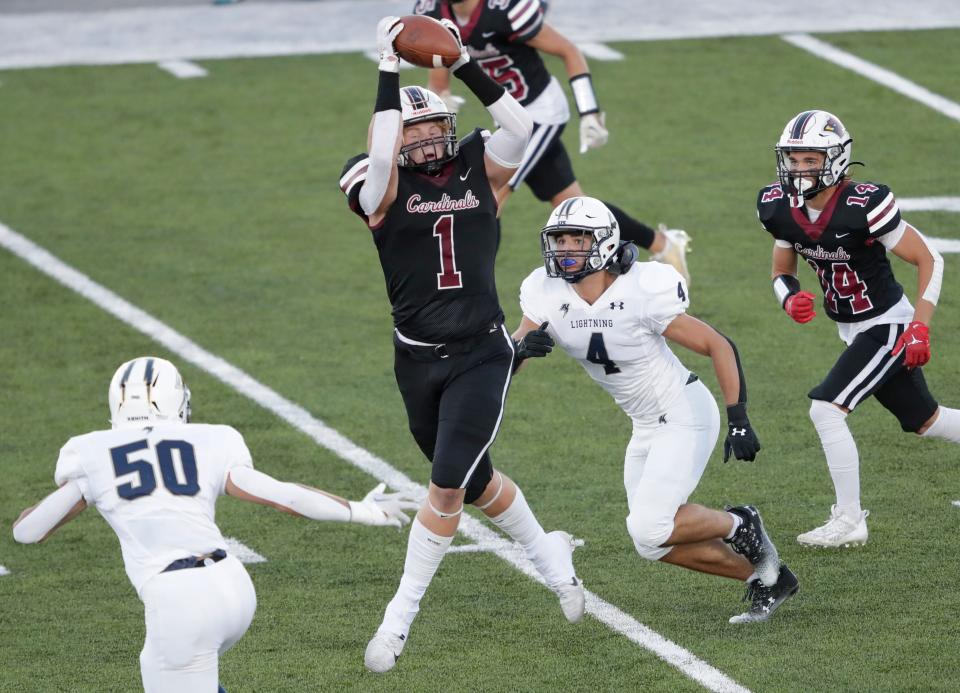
[(383, 651), (675, 253), (840, 530), (571, 597), (557, 551)]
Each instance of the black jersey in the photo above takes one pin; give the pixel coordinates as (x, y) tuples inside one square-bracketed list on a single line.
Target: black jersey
[(496, 37), (437, 246), (843, 246)]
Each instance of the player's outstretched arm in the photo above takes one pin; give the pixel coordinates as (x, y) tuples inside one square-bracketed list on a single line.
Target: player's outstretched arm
[(377, 507), (504, 149), (593, 130), (700, 337), (915, 249), (383, 137), (530, 340), (40, 521)]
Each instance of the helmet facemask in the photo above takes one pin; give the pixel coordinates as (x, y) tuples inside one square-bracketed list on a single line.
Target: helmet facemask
[(420, 105), (816, 131), (579, 216)]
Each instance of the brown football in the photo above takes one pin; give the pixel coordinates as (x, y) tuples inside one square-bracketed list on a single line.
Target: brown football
[(426, 42)]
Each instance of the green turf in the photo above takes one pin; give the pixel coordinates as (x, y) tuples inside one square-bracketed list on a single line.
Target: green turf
[(213, 204)]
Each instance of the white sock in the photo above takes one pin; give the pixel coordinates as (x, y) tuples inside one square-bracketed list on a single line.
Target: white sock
[(947, 425), (843, 461), (737, 521), (425, 550), (519, 522)]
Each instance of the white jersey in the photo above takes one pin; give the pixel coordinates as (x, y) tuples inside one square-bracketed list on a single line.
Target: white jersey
[(156, 486), (618, 340)]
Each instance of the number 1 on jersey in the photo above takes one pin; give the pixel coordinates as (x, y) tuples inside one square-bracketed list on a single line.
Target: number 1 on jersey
[(449, 276)]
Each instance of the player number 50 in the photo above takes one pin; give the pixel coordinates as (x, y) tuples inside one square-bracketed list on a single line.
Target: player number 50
[(183, 483)]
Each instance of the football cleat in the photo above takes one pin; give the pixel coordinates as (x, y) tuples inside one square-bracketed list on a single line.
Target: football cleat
[(765, 600), (752, 542), (675, 252), (383, 651), (553, 558), (571, 597), (839, 530)]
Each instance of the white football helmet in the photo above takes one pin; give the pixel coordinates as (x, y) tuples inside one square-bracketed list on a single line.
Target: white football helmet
[(816, 131), (580, 215), (145, 390), (416, 106)]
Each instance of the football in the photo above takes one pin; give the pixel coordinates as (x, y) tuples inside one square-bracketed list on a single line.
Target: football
[(426, 42)]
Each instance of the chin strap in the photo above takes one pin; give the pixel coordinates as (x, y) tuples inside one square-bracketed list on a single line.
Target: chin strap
[(623, 258)]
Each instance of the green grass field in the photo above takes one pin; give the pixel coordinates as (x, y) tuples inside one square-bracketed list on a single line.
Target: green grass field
[(213, 205)]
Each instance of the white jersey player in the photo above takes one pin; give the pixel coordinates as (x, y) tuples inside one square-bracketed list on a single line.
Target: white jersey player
[(614, 315), (155, 478)]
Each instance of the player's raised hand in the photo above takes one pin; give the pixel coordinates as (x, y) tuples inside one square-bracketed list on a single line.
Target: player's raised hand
[(741, 439), (799, 306), (381, 509), (388, 29), (593, 133), (464, 55), (916, 341)]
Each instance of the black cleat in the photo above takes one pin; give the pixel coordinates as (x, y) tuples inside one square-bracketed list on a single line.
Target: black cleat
[(765, 600), (751, 541)]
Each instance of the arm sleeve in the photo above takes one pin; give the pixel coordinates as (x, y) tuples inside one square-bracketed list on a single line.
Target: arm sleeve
[(507, 144), (70, 468), (380, 162), (667, 297), (301, 500), (48, 514)]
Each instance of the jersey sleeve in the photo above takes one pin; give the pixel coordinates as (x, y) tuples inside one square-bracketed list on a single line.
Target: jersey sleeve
[(667, 297), (235, 452), (522, 20), (882, 211), (70, 468), (351, 180), (767, 200), (530, 297), (430, 8)]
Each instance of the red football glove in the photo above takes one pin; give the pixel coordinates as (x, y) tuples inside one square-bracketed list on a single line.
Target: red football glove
[(799, 306), (916, 340)]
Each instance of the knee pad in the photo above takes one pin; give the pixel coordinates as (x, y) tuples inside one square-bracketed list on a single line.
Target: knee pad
[(648, 532)]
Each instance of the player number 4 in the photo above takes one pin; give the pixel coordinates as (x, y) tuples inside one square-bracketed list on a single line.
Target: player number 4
[(597, 353)]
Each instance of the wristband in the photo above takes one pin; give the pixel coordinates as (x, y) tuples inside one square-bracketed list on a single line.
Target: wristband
[(584, 95)]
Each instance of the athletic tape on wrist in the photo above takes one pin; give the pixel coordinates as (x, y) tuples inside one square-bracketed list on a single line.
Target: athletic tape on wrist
[(584, 95), (785, 286)]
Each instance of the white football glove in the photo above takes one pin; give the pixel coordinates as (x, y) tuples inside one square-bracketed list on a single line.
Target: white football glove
[(593, 134), (464, 55), (381, 509), (387, 30)]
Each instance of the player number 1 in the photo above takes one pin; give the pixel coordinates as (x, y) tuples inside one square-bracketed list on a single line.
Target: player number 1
[(449, 276)]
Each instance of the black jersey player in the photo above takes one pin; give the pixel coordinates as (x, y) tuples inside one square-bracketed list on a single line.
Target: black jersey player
[(429, 202), (843, 229), (505, 37)]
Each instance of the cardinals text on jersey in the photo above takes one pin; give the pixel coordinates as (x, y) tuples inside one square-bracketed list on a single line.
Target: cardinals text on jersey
[(842, 246)]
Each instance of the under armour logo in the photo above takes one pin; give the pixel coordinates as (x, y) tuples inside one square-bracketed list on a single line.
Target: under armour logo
[(564, 308), (616, 304), (663, 418), (738, 431)]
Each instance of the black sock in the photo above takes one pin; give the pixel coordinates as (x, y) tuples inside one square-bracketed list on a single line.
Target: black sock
[(630, 228)]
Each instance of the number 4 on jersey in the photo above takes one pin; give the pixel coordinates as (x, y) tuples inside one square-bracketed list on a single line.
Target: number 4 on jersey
[(597, 353)]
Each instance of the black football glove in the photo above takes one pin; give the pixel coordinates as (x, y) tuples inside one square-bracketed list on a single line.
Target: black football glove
[(741, 440), (535, 344)]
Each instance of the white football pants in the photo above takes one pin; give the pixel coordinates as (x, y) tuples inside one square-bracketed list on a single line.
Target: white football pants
[(193, 616), (663, 465)]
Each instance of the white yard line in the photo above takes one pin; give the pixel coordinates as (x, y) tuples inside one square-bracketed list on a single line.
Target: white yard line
[(599, 51), (298, 417), (929, 204), (182, 69), (4, 571), (878, 74), (243, 552)]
